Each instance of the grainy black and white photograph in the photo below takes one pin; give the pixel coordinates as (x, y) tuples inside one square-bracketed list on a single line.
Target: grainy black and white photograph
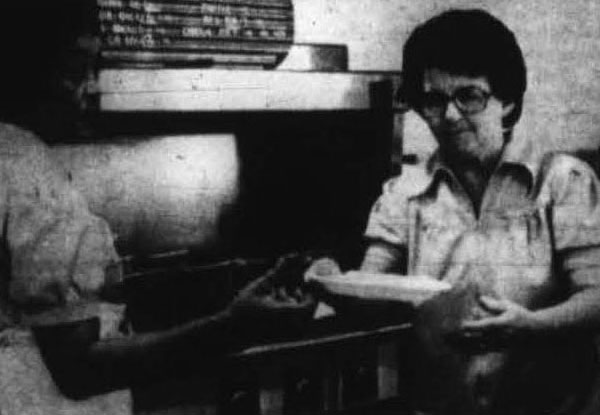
[(300, 207)]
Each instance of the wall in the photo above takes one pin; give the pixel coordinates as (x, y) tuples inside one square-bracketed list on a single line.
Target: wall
[(278, 182), (168, 192), (158, 194)]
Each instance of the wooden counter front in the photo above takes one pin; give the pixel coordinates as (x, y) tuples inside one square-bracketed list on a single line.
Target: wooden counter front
[(336, 368)]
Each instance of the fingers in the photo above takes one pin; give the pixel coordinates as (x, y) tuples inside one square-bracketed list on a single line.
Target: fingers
[(280, 291), (323, 267), (280, 294), (297, 294), (295, 298), (498, 307), (485, 323), (507, 323), (261, 285), (494, 305), (279, 298), (484, 334), (289, 269)]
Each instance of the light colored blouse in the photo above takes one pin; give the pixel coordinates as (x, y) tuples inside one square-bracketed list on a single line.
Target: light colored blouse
[(56, 260), (535, 240)]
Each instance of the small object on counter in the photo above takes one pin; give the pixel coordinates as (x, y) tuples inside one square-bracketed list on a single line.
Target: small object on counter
[(412, 289), (323, 310), (316, 57)]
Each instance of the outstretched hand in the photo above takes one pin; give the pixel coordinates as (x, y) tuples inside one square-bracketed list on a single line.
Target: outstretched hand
[(276, 304)]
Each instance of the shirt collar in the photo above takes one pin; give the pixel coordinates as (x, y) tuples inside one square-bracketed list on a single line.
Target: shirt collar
[(519, 153), (523, 152)]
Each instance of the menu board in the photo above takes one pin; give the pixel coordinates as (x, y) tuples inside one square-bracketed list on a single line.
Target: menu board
[(196, 33)]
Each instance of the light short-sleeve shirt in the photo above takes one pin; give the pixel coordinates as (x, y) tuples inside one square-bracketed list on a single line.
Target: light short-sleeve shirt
[(535, 240), (57, 260)]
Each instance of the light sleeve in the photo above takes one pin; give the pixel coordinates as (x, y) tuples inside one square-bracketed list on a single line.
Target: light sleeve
[(388, 220), (576, 220), (387, 230), (62, 257)]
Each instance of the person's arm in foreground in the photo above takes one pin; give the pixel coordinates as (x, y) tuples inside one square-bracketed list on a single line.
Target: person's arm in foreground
[(83, 365)]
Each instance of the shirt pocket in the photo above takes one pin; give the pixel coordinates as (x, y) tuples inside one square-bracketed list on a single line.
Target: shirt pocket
[(519, 248), (434, 231)]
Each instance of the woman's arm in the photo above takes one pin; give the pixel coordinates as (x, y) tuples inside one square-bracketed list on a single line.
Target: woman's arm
[(579, 313), (383, 257)]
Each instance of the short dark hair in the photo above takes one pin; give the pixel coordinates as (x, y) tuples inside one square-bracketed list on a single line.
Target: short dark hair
[(466, 42)]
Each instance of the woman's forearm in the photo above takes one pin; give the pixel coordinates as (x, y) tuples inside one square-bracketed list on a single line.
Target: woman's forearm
[(381, 257), (580, 312)]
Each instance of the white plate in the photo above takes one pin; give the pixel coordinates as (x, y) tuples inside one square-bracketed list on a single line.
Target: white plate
[(413, 289)]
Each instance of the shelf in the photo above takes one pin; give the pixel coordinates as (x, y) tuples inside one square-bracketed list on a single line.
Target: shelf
[(235, 90)]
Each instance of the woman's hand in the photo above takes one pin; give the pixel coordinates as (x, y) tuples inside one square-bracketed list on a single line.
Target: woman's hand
[(508, 321), (320, 269), (323, 267)]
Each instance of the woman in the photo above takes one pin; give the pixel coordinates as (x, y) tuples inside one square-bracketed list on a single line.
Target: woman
[(514, 231)]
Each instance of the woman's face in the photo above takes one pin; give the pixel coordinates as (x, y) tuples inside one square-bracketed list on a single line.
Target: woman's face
[(468, 121)]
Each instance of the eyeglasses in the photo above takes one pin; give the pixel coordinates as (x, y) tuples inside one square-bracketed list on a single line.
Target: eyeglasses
[(469, 100)]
